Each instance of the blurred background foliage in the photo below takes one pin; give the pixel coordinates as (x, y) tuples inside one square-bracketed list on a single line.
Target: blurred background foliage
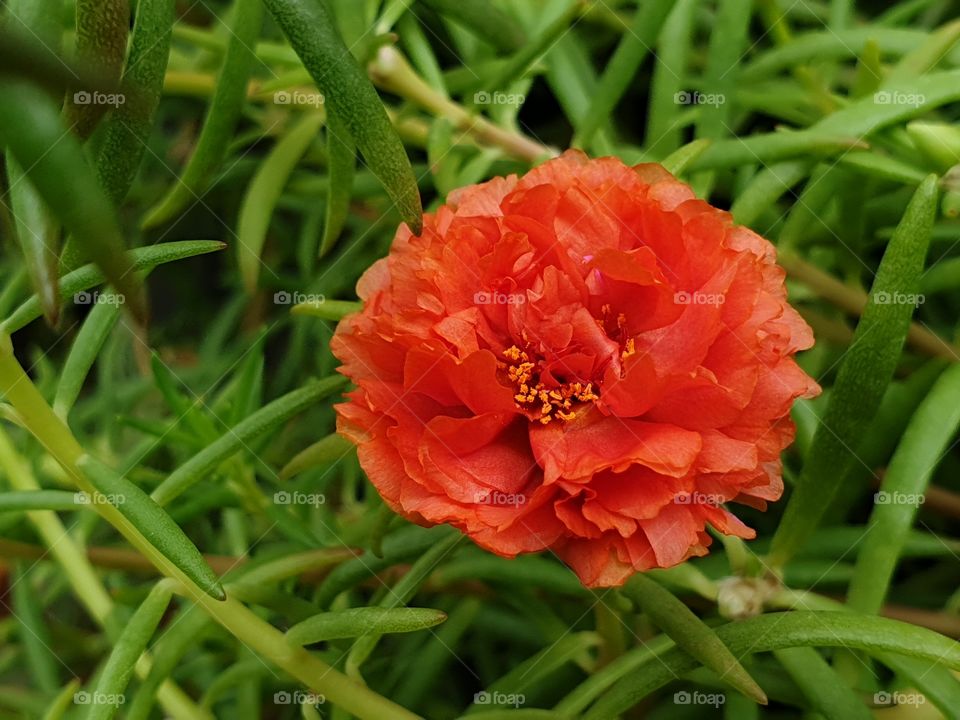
[(255, 158)]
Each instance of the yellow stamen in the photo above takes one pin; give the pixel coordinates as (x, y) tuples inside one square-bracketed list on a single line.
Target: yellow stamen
[(554, 402)]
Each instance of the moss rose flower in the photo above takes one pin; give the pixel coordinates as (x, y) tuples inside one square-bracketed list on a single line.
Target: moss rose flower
[(586, 359)]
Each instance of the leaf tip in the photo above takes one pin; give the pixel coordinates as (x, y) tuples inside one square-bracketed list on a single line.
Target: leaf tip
[(216, 591)]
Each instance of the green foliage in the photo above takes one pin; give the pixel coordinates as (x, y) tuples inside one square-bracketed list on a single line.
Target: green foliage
[(182, 532)]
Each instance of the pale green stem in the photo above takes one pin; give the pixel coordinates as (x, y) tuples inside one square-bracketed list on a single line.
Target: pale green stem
[(37, 416), (81, 575), (391, 71), (853, 301)]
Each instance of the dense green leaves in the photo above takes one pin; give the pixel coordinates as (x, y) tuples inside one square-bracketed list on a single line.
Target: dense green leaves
[(38, 233), (666, 85), (108, 695), (53, 161), (359, 621), (327, 310), (38, 500), (691, 634), (221, 118), (140, 510), (34, 635), (128, 127), (89, 276), (342, 156), (401, 594), (93, 334), (267, 418), (484, 18), (630, 52), (349, 94), (102, 28), (264, 191), (932, 428), (323, 452), (825, 690), (402, 546), (774, 631), (863, 375), (36, 229), (300, 591)]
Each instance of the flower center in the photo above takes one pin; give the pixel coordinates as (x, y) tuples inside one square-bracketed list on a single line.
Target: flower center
[(533, 395), (616, 329)]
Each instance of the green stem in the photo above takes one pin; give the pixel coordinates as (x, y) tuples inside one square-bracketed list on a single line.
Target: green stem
[(78, 570), (391, 71), (39, 419), (270, 643), (853, 300)]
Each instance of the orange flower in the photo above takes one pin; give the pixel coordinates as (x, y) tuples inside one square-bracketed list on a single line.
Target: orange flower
[(586, 359)]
